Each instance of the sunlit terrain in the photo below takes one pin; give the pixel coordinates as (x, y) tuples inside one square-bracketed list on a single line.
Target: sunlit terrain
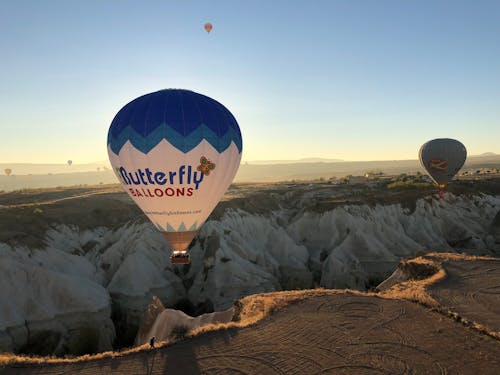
[(408, 322), (96, 262), (259, 187), (27, 176)]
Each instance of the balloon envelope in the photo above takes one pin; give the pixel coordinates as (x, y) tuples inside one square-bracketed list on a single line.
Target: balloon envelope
[(70, 162), (8, 171), (442, 158), (208, 27), (175, 152)]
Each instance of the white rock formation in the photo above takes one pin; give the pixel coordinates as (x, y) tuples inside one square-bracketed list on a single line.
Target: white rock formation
[(36, 300), (169, 324), (359, 243), (72, 280)]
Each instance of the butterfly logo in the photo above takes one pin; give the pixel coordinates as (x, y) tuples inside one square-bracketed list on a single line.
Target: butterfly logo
[(205, 166)]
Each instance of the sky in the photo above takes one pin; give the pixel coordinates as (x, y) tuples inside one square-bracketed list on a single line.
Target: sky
[(345, 79)]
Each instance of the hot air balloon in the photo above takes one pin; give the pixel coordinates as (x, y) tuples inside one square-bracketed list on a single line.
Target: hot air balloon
[(175, 152), (208, 27), (7, 171), (70, 162), (442, 158)]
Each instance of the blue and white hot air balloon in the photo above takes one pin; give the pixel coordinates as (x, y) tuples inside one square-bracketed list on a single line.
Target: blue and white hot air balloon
[(175, 152)]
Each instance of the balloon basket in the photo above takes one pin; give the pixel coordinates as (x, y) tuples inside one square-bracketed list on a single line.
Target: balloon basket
[(179, 258)]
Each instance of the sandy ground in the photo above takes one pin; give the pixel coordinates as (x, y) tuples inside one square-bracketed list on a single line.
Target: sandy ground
[(471, 289), (342, 333)]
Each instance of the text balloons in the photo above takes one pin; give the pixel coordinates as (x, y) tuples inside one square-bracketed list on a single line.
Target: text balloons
[(175, 152), (442, 158)]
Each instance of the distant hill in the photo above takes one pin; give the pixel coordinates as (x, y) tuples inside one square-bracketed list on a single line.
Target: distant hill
[(294, 170), (34, 168), (487, 157), (303, 160), (49, 175)]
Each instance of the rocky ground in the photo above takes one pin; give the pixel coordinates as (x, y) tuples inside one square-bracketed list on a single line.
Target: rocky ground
[(339, 332), (82, 264)]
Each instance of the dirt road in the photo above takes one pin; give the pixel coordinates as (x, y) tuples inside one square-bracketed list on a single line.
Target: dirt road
[(471, 289), (340, 334)]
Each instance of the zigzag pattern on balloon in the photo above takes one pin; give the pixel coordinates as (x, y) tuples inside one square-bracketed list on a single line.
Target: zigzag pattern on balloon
[(182, 227), (182, 143)]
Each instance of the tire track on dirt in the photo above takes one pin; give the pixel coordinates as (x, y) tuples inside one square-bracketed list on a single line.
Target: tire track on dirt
[(471, 289), (298, 340)]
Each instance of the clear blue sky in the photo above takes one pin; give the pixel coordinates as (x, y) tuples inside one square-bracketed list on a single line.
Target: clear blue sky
[(356, 80)]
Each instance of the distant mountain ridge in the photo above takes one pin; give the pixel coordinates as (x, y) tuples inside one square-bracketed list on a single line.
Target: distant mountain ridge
[(484, 154), (277, 170), (303, 160), (45, 168)]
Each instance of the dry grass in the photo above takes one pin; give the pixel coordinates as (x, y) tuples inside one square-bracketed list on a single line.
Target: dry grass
[(416, 290), (458, 257), (485, 330), (252, 309), (9, 358)]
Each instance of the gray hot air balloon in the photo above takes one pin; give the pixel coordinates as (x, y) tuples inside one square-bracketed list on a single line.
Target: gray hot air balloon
[(442, 158)]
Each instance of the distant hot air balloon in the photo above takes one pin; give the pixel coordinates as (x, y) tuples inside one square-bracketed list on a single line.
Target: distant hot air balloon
[(442, 158), (175, 152), (70, 162), (208, 27), (98, 169), (7, 171)]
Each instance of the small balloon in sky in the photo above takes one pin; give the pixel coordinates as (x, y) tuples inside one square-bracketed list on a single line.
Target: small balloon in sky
[(8, 171), (70, 162), (442, 158), (208, 27), (175, 152)]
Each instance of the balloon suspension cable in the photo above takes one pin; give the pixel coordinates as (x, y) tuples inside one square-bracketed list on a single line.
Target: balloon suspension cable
[(441, 191), (179, 242)]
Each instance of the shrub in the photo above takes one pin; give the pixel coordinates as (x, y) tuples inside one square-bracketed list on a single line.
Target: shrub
[(84, 341), (179, 332)]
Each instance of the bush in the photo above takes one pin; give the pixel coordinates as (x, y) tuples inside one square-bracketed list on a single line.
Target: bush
[(408, 185), (84, 341), (41, 343), (179, 332)]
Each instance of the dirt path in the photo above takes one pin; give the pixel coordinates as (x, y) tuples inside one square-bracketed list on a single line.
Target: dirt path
[(471, 289), (62, 197), (337, 334)]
